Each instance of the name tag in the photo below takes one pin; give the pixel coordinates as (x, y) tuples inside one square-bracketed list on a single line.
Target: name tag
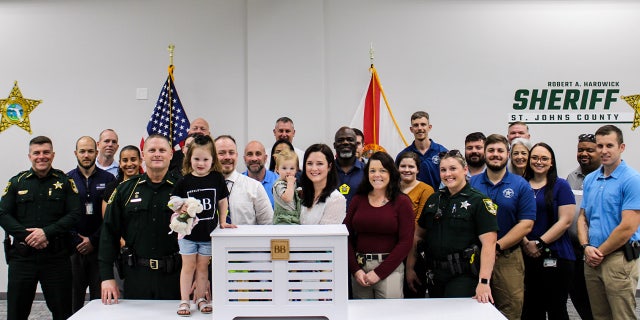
[(136, 200), (100, 186), (550, 263), (88, 208)]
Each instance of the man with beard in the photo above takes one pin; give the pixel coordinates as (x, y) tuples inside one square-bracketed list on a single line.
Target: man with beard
[(588, 161), (426, 148), (516, 214), (474, 152), (350, 169), (107, 148), (255, 158), (91, 182), (248, 201)]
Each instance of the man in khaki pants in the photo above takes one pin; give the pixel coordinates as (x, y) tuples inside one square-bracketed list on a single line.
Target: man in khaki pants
[(516, 214), (608, 230)]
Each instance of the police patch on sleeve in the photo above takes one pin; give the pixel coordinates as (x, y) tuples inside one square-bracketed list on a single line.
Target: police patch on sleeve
[(113, 195), (73, 186), (6, 189), (491, 207), (344, 188)]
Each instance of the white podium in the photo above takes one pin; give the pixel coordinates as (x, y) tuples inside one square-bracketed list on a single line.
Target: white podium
[(280, 271)]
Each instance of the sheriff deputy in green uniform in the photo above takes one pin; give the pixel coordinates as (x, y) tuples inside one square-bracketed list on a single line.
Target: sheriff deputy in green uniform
[(137, 211), (38, 208), (458, 232)]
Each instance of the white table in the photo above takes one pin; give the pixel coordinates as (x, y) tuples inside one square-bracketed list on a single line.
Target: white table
[(405, 309)]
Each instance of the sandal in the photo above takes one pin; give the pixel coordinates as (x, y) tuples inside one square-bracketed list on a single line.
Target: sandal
[(204, 306), (184, 308)]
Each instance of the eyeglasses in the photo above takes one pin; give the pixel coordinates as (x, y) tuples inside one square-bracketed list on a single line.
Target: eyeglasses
[(535, 159), (450, 153), (587, 137)]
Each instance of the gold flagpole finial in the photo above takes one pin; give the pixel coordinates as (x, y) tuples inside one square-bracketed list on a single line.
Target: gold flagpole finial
[(171, 48), (371, 51)]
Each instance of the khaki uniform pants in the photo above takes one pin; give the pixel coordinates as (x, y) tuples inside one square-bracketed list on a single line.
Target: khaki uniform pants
[(507, 284), (612, 287), (389, 288)]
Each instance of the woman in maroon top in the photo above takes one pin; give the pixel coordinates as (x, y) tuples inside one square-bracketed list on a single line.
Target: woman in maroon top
[(380, 221)]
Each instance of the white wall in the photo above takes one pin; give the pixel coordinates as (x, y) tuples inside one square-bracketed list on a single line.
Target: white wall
[(242, 64)]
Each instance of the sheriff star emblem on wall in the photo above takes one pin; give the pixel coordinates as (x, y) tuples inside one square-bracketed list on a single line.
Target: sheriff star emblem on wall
[(634, 102), (15, 110)]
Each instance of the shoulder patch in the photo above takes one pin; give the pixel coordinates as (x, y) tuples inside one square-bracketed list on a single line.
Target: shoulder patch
[(73, 186), (6, 189), (113, 195), (491, 207)]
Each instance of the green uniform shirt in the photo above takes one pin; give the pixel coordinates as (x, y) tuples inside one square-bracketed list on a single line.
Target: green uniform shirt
[(50, 203), (453, 223), (137, 211)]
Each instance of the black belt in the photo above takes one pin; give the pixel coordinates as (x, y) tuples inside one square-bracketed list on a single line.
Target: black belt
[(154, 264), (372, 256), (632, 243), (440, 264), (165, 263), (460, 267)]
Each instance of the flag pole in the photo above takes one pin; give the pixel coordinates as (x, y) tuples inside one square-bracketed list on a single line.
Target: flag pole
[(373, 72), (384, 96), (171, 49), (374, 75)]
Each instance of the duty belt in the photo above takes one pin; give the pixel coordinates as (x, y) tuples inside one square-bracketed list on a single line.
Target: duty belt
[(168, 263), (154, 264)]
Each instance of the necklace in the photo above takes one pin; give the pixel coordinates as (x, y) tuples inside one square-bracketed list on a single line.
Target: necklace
[(535, 193), (374, 202)]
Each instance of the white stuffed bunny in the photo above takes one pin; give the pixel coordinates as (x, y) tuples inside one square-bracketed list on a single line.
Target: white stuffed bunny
[(184, 217)]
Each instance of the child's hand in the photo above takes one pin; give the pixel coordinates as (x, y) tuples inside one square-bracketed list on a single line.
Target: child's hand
[(225, 225), (290, 179)]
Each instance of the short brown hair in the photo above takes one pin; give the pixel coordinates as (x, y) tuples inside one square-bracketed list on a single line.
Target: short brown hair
[(40, 140), (608, 129), (496, 138), (419, 114)]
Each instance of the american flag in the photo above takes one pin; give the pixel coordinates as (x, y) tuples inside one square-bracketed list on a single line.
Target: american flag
[(168, 118)]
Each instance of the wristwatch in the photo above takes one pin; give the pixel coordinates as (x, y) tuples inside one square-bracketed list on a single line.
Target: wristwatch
[(584, 246), (498, 248), (484, 280)]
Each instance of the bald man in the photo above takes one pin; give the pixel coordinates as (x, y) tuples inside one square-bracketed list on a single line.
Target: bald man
[(201, 126), (91, 182), (107, 147), (255, 158), (198, 126)]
